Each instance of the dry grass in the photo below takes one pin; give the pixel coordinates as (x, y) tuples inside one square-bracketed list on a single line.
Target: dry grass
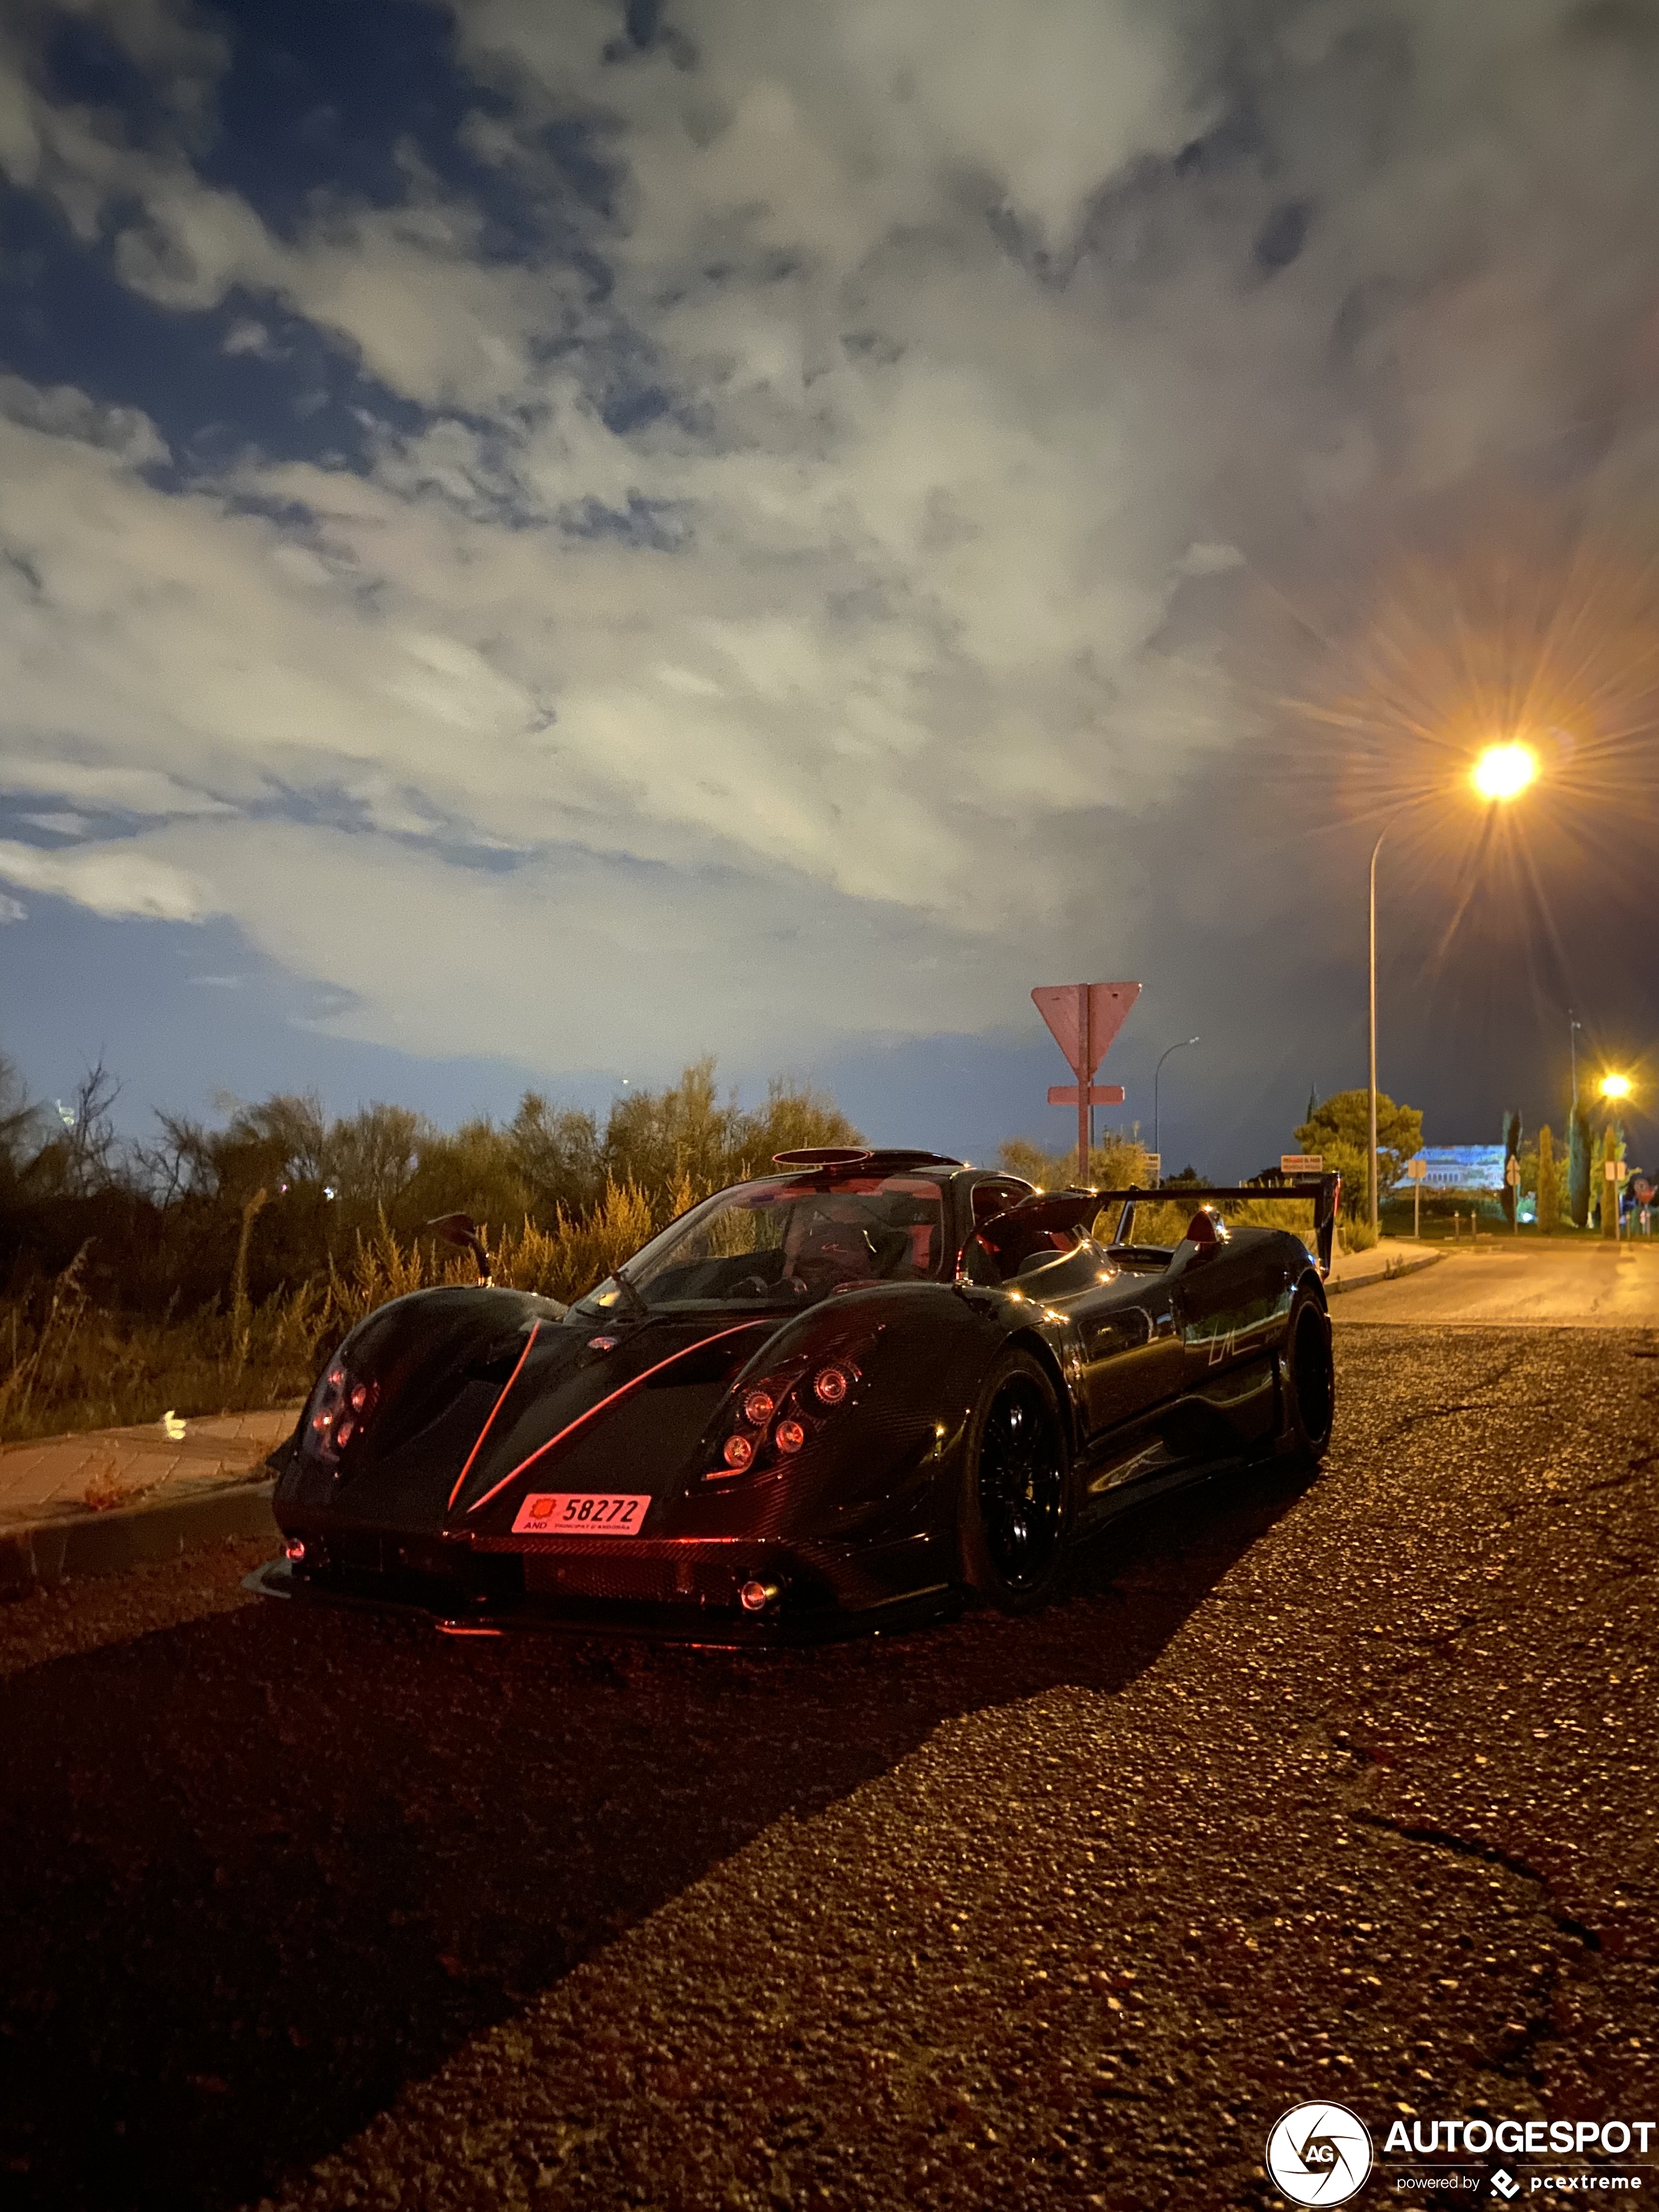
[(66, 1364)]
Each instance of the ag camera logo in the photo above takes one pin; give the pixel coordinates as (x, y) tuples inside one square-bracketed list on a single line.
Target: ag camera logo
[(1319, 2154)]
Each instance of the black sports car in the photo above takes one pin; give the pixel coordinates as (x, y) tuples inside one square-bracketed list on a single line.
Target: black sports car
[(841, 1395)]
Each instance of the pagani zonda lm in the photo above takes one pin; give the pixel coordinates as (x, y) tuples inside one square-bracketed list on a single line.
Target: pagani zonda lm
[(868, 1385)]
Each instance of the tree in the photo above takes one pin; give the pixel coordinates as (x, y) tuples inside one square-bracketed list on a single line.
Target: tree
[(557, 1154), (1579, 1164), (1340, 1129), (665, 1141), (1511, 1191), (19, 1126), (1549, 1184), (1118, 1163), (1612, 1146)]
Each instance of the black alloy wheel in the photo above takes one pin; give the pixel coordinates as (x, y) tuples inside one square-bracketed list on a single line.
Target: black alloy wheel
[(1017, 1506), (1310, 1379)]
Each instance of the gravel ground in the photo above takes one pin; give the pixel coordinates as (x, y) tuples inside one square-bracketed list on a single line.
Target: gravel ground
[(1347, 1793)]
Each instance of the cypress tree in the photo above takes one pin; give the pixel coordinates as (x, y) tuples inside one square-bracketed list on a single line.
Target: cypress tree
[(1578, 1168), (1509, 1198), (1549, 1186), (1609, 1185)]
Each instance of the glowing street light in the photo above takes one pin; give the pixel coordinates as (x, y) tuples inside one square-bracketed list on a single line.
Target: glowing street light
[(1615, 1086), (1500, 773), (1504, 771)]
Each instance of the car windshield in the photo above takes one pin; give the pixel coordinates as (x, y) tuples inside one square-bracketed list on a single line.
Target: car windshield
[(785, 1242)]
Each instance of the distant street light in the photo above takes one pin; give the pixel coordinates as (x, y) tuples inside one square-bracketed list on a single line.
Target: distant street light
[(1615, 1086), (1180, 1045), (1499, 773)]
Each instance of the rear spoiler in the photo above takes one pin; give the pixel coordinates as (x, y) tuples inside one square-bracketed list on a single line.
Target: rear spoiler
[(1024, 1225)]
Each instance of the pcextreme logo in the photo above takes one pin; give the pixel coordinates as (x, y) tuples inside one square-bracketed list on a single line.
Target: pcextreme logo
[(1319, 2154)]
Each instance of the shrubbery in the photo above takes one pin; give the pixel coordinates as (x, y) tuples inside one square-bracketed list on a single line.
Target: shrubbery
[(208, 1269)]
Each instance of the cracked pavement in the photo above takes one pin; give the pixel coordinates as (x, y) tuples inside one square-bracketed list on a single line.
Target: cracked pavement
[(1348, 1792)]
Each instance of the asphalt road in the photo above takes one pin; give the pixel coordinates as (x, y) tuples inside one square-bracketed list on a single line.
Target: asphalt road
[(1515, 1283), (1348, 1792)]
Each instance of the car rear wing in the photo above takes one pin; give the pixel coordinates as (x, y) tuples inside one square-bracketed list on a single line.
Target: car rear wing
[(1023, 1227)]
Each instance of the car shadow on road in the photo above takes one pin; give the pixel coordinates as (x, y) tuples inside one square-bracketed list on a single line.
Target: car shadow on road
[(264, 1868)]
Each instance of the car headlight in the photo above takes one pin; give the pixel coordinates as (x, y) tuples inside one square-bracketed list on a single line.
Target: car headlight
[(341, 1408), (776, 1419)]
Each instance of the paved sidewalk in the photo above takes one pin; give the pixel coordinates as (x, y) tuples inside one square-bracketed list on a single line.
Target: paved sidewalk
[(114, 1498), (1389, 1256), (107, 1469)]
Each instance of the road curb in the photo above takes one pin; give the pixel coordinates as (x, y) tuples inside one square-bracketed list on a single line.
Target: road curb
[(1398, 1275), (43, 1553)]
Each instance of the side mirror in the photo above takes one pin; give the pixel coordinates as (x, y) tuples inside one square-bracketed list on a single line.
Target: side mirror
[(461, 1230), (1207, 1232)]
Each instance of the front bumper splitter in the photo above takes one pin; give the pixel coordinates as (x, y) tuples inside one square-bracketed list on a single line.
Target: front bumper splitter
[(706, 1626)]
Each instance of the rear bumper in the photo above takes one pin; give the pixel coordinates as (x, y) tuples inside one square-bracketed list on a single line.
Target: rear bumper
[(684, 1589)]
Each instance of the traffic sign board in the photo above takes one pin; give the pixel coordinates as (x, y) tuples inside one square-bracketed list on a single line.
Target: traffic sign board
[(1417, 1168), (1069, 1008), (1512, 1172), (1098, 1094), (1302, 1164), (1085, 1018), (1154, 1165)]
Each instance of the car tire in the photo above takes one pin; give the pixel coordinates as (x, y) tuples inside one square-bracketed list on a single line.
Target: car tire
[(1015, 1516), (1310, 1381)]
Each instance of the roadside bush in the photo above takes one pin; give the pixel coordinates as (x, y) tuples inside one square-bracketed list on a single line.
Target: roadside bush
[(209, 1270), (1118, 1163)]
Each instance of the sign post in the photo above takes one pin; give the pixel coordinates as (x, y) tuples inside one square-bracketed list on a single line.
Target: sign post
[(1085, 1018), (1416, 1169)]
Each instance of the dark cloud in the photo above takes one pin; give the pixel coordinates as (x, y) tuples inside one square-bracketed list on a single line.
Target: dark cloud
[(886, 464)]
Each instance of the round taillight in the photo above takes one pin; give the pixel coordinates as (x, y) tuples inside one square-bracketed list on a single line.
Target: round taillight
[(738, 1451), (322, 1420), (829, 1385), (336, 1378), (789, 1436), (346, 1430), (360, 1398), (759, 1407), (755, 1597), (294, 1549)]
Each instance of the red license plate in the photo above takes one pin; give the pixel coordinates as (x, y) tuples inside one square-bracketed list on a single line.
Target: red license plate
[(581, 1513)]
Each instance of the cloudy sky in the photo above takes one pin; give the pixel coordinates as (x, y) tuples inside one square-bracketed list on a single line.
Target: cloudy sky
[(541, 538)]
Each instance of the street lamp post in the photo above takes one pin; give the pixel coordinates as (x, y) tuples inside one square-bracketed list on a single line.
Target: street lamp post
[(1501, 773), (1370, 1142), (1180, 1045)]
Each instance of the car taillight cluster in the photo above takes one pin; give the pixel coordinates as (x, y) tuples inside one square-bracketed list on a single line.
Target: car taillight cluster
[(775, 1419), (341, 1408)]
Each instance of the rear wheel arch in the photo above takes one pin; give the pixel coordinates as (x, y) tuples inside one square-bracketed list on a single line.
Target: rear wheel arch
[(1013, 1540), (1027, 1340), (1309, 1380)]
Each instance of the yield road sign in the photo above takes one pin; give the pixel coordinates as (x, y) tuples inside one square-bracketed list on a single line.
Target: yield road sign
[(1072, 1009), (1085, 1018)]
